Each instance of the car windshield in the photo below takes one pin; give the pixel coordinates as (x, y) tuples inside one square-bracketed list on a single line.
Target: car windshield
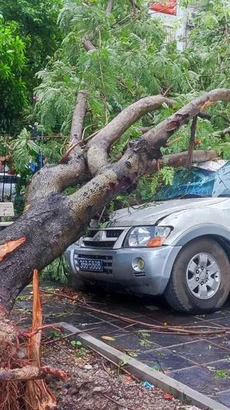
[(197, 182)]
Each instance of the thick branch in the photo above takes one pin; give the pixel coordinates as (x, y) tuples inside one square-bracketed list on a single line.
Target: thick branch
[(180, 159), (109, 8), (191, 142), (143, 130), (23, 373), (158, 136), (88, 44), (31, 373), (113, 131), (98, 147), (56, 178), (139, 156), (78, 117), (224, 132)]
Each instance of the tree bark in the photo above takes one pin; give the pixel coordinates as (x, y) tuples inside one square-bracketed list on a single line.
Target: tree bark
[(109, 8), (78, 117), (88, 44), (191, 142), (98, 147), (160, 134), (53, 220), (180, 159)]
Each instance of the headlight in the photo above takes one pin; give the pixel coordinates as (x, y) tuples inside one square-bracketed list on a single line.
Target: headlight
[(147, 236)]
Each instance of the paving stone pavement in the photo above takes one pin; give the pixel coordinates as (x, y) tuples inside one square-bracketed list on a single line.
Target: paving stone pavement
[(200, 361)]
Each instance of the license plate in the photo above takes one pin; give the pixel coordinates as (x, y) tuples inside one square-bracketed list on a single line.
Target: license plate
[(93, 265)]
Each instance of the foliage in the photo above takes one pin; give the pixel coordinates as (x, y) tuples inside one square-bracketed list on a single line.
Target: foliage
[(222, 374), (29, 36), (56, 94), (36, 24), (12, 87), (147, 185), (80, 349), (56, 271), (26, 153), (130, 60), (23, 149), (30, 148), (53, 148), (211, 33)]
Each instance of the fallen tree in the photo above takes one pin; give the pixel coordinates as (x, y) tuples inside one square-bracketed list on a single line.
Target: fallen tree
[(52, 219)]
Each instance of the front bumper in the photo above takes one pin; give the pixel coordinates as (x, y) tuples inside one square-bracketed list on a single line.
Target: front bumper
[(152, 280)]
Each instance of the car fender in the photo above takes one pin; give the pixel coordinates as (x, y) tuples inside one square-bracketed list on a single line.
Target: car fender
[(187, 226), (202, 230)]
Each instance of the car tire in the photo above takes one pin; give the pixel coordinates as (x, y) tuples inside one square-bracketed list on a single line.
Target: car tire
[(200, 278)]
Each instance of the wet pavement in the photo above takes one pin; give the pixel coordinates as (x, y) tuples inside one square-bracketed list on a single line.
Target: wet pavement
[(201, 361)]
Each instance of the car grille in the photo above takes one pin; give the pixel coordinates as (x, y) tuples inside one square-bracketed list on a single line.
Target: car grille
[(101, 238), (107, 261), (139, 274)]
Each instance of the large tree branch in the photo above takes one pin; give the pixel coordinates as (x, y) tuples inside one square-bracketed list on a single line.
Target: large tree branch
[(88, 44), (113, 131), (158, 136), (78, 117), (180, 159), (224, 132), (98, 147), (30, 372), (191, 142), (56, 178), (139, 156), (109, 8)]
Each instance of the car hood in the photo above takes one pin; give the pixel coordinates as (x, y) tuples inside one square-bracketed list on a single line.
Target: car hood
[(150, 213)]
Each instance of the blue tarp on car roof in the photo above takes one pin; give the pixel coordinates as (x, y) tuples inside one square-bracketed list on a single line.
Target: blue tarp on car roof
[(198, 182)]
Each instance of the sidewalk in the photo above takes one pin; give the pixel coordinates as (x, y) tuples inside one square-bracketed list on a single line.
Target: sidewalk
[(202, 362)]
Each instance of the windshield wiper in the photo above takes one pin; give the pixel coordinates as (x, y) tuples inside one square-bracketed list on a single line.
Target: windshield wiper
[(185, 196)]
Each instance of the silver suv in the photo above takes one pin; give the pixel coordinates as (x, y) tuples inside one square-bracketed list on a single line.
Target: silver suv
[(179, 247)]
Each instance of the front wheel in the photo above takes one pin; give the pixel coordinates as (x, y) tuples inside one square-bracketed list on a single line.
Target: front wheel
[(200, 278)]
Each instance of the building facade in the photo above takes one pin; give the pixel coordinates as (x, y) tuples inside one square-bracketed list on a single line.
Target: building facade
[(177, 20)]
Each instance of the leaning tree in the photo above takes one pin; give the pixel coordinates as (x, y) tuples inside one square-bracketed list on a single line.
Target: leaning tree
[(53, 219)]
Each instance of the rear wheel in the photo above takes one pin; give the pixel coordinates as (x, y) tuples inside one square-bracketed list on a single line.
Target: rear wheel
[(200, 278)]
